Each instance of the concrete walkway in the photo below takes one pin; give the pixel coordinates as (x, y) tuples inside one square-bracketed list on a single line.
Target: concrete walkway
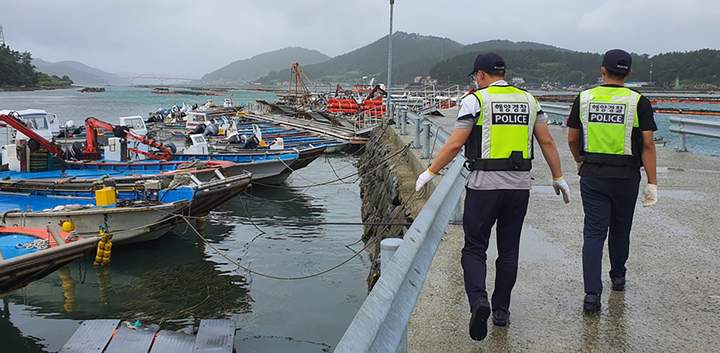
[(672, 301)]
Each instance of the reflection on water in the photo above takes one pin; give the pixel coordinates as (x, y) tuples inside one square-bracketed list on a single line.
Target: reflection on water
[(165, 281), (602, 332), (11, 337), (178, 280)]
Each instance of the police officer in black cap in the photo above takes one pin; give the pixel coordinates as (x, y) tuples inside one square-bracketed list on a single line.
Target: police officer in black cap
[(611, 136), (497, 125)]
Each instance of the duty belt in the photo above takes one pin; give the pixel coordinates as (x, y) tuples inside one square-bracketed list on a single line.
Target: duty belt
[(499, 164), (611, 159)]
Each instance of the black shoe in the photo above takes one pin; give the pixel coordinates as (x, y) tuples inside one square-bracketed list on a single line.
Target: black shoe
[(500, 317), (478, 321), (591, 303), (618, 283)]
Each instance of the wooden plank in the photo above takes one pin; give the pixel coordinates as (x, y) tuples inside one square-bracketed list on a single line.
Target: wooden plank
[(215, 336), (132, 340), (173, 342), (92, 336)]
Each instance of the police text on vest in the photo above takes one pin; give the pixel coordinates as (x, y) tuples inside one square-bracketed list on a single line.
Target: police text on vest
[(510, 113), (606, 113)]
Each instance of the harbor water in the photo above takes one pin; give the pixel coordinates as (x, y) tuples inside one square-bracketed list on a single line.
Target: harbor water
[(298, 229)]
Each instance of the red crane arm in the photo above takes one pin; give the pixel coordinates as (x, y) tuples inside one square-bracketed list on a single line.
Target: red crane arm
[(92, 150), (18, 125)]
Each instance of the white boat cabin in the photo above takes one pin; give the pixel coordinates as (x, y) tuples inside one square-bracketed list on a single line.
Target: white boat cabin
[(37, 120), (135, 123), (198, 145), (117, 151)]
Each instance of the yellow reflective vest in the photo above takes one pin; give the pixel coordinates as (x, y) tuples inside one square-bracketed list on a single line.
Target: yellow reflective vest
[(502, 139), (608, 116)]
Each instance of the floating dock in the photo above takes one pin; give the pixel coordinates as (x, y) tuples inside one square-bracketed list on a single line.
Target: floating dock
[(104, 336)]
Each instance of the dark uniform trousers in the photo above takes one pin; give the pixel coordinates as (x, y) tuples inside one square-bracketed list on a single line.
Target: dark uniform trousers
[(483, 208), (608, 204)]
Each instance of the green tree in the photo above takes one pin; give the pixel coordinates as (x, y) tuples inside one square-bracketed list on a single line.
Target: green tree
[(16, 68)]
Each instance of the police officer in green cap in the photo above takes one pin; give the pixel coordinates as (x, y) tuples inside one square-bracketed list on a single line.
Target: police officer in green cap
[(497, 125), (610, 136)]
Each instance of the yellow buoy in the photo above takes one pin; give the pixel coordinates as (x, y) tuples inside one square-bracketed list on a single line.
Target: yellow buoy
[(68, 226), (104, 247)]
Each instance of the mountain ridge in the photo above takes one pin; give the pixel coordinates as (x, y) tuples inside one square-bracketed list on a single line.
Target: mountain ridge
[(413, 55), (77, 71), (261, 64)]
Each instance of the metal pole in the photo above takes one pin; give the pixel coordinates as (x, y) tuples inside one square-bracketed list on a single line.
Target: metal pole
[(416, 138), (55, 235), (396, 115), (426, 140), (403, 122), (388, 247), (681, 143), (389, 79)]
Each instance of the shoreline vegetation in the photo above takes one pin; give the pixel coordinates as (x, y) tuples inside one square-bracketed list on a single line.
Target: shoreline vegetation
[(17, 73), (35, 88)]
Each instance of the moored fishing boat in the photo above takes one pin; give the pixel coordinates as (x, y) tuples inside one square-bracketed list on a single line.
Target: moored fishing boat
[(28, 254), (284, 161), (135, 222), (203, 195)]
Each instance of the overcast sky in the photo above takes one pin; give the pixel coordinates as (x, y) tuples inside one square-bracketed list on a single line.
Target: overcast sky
[(188, 38)]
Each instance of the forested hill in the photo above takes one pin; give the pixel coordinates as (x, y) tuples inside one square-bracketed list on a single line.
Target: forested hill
[(414, 55), (494, 45), (17, 71), (16, 68), (694, 67)]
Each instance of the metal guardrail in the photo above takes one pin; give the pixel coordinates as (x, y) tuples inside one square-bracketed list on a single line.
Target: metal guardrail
[(429, 98), (695, 127), (381, 322), (562, 110)]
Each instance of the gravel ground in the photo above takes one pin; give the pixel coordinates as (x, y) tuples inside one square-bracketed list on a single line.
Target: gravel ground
[(672, 298)]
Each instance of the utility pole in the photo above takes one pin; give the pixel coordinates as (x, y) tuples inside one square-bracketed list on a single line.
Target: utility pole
[(389, 79), (650, 72)]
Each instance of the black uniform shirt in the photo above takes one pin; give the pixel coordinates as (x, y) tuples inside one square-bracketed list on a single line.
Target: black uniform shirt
[(646, 121)]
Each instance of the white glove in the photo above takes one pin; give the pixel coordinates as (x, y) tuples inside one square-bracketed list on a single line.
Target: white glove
[(423, 179), (649, 196), (560, 185), (578, 165)]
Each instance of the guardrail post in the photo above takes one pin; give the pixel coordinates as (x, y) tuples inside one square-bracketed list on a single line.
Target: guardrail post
[(397, 115), (457, 217), (416, 139), (681, 143), (403, 122), (388, 246), (390, 112), (426, 140)]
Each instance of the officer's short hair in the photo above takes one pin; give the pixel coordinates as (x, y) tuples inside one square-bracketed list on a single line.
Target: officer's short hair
[(495, 73), (616, 75)]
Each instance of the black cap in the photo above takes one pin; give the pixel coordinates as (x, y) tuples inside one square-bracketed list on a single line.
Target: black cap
[(617, 61), (488, 62)]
